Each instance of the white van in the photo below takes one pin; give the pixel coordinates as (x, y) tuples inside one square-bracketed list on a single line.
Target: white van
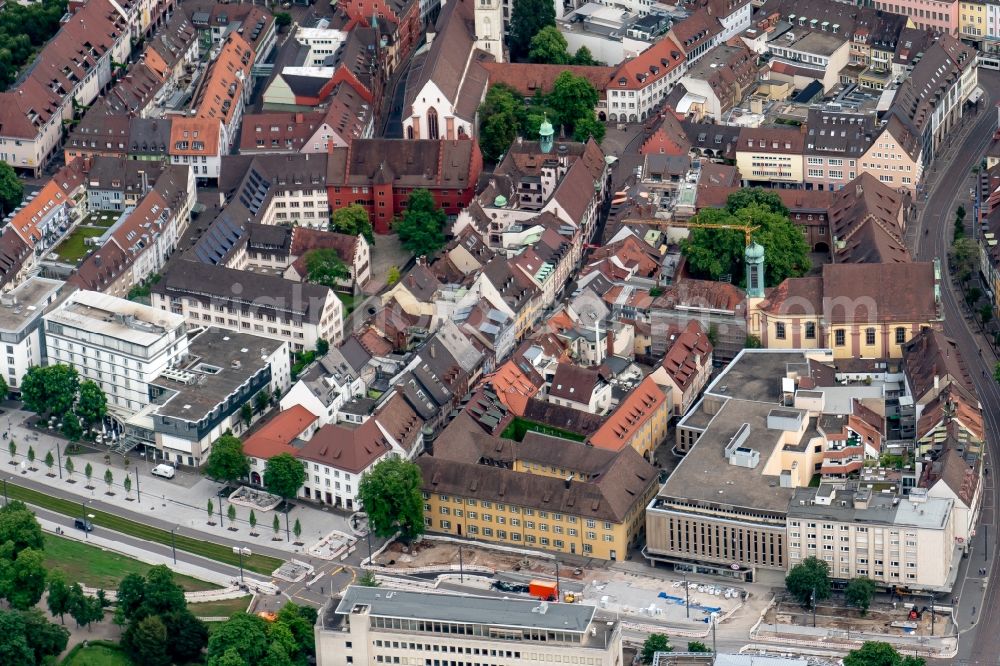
[(166, 471)]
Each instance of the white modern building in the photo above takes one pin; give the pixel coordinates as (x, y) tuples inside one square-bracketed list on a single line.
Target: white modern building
[(120, 345), (370, 625), (20, 326)]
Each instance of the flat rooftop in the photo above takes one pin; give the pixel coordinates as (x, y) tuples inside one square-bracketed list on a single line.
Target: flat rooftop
[(219, 362), (468, 609), (756, 374), (819, 43), (26, 303), (705, 475), (931, 514), (114, 317)]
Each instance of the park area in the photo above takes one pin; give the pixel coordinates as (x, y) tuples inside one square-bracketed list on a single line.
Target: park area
[(97, 653), (74, 247)]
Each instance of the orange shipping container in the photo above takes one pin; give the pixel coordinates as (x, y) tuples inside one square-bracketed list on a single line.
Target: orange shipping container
[(544, 590)]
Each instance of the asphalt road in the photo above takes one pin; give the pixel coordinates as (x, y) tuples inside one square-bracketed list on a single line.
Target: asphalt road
[(949, 182)]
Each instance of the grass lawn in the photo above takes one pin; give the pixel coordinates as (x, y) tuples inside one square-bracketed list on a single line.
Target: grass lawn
[(95, 567), (197, 545), (73, 248), (223, 608), (102, 218), (350, 301), (97, 655), (519, 427)]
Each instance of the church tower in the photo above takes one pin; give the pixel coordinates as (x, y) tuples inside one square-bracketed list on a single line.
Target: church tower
[(489, 26), (546, 136), (754, 258)]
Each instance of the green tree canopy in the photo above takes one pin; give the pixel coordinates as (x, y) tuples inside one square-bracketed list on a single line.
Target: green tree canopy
[(156, 593), (421, 227), (712, 253), (245, 635), (392, 498), (500, 119), (324, 266), (352, 220), (58, 595), (654, 643), (284, 475), (145, 642), (875, 653), (859, 593), (572, 98), (14, 646), (282, 19), (810, 576), (527, 18), (587, 127), (549, 46), (92, 404), (52, 388), (11, 187), (697, 646), (226, 461), (756, 196), (18, 529), (22, 581), (583, 56), (71, 427), (188, 636), (45, 639)]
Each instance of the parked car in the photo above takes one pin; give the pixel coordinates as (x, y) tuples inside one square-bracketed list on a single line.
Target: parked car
[(82, 524)]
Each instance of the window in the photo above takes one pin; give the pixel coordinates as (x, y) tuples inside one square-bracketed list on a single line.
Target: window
[(779, 331), (839, 337), (870, 336), (900, 335), (810, 330)]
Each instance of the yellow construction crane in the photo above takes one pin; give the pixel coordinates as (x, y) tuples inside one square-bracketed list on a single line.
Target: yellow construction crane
[(747, 229)]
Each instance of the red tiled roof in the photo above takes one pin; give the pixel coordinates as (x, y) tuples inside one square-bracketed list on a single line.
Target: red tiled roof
[(276, 436)]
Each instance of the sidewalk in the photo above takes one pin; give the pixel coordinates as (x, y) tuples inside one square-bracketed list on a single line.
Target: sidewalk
[(182, 500)]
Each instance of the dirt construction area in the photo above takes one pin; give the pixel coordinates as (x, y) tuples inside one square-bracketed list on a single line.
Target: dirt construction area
[(880, 618)]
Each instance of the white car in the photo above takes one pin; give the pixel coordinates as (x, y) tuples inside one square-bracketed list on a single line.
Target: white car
[(166, 471)]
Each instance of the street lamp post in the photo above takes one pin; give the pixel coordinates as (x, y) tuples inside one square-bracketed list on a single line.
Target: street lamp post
[(6, 500), (59, 460), (241, 551), (461, 569), (173, 542), (369, 535), (687, 597), (83, 517), (714, 617)]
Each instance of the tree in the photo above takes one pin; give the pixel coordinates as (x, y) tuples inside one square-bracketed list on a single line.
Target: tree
[(145, 642), (4, 389), (11, 189), (809, 581), (300, 621), (50, 389), (393, 276), (188, 636), (297, 529), (986, 313), (226, 461), (231, 514), (130, 595), (246, 635), (210, 508), (246, 413), (322, 347), (44, 638), (276, 525), (391, 495), (697, 646), (654, 643), (253, 521), (875, 653), (109, 478), (282, 19), (263, 397), (421, 228), (549, 46), (127, 484), (88, 472), (712, 253), (50, 460), (964, 258), (859, 593), (973, 295), (58, 597), (352, 220), (572, 98), (14, 646), (70, 467), (499, 121), (19, 530), (587, 127), (527, 18), (996, 371), (31, 457), (368, 579), (92, 404), (324, 266), (12, 448), (583, 56), (756, 196), (82, 608), (284, 475), (22, 580)]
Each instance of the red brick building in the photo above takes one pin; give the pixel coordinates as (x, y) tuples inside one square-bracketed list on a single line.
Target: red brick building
[(379, 174)]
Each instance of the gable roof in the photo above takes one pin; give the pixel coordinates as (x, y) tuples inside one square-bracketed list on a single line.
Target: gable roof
[(690, 350), (276, 436), (635, 410), (573, 382), (343, 447), (653, 64)]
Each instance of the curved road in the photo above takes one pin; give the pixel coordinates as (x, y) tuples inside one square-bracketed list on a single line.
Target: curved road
[(948, 185)]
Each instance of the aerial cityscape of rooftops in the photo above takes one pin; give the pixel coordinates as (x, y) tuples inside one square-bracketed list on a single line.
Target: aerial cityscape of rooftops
[(499, 332)]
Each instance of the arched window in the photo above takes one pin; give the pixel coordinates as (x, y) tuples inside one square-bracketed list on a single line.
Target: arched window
[(409, 132), (432, 123)]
